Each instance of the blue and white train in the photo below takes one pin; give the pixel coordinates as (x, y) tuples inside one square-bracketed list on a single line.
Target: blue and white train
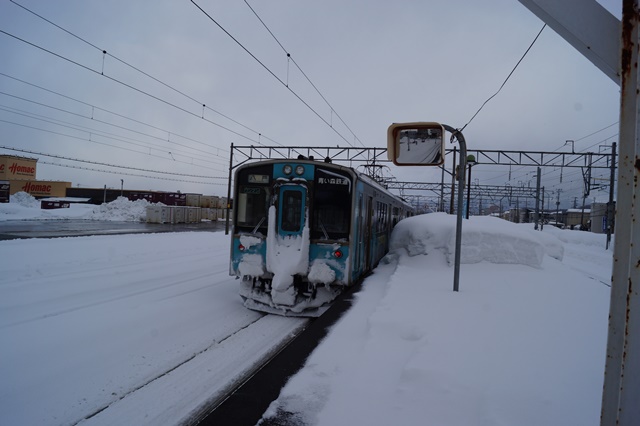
[(304, 230)]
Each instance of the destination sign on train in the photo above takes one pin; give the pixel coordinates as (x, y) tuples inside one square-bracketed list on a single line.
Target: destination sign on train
[(333, 181), (259, 178)]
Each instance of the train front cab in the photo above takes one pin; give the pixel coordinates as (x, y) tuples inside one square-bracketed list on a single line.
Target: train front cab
[(291, 234)]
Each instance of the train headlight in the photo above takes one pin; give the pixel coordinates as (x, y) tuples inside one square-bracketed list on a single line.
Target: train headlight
[(299, 170), (337, 254), (287, 169)]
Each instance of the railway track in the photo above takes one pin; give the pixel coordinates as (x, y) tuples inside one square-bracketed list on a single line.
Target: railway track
[(249, 400), (204, 380)]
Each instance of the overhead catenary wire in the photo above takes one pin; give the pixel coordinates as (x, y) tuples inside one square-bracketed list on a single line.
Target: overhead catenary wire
[(122, 61), (130, 174), (107, 111), (114, 136), (502, 176), (98, 163), (129, 86), (507, 79), (591, 134), (272, 73), (289, 57), (101, 134), (97, 142)]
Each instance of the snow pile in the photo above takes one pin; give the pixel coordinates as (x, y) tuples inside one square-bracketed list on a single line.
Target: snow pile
[(484, 238), (122, 209), (321, 273), (286, 256), (24, 199), (516, 345), (23, 206)]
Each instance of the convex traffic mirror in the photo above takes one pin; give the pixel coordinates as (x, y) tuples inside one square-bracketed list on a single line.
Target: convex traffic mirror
[(416, 144)]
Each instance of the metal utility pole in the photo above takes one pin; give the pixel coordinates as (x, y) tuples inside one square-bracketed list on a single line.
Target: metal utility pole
[(610, 204), (537, 215), (441, 201), (542, 203), (621, 391), (471, 161), (587, 189), (226, 222)]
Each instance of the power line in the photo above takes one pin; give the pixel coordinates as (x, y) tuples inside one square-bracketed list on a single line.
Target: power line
[(91, 130), (303, 73), (107, 164), (93, 107), (271, 72), (130, 174), (94, 141), (129, 86), (508, 77), (105, 53), (597, 131), (98, 133)]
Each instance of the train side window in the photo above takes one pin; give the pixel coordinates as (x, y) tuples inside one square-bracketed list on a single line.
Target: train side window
[(382, 216), (395, 216)]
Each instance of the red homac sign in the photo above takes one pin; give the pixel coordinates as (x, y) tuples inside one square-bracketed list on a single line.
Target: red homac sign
[(17, 169), (12, 167), (40, 188), (36, 188)]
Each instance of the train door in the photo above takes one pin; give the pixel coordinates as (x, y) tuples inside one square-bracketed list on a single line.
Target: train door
[(292, 206), (359, 236), (368, 232)]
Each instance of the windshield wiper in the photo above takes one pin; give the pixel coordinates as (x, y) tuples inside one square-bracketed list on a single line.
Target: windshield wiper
[(258, 225), (324, 231)]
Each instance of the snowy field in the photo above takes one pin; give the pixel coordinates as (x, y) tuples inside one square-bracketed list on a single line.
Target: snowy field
[(84, 321)]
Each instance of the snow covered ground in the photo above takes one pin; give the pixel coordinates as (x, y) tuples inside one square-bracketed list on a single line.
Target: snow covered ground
[(522, 342), (85, 320), (24, 207)]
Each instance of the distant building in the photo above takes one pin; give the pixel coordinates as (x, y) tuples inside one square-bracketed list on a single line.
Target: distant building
[(578, 217), (20, 174), (13, 167)]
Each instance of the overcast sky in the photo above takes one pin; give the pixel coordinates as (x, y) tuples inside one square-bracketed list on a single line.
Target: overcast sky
[(375, 62)]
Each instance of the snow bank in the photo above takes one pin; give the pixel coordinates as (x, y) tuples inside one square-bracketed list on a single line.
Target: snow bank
[(25, 200), (484, 238), (25, 207), (517, 345), (121, 209)]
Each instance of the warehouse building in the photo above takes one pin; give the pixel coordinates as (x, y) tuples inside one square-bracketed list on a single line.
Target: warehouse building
[(19, 174)]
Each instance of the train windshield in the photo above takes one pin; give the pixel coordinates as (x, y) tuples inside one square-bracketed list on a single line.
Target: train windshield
[(332, 205), (252, 206), (252, 200), (292, 214)]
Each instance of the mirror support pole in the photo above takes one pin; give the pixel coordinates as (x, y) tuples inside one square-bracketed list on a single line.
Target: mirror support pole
[(462, 167)]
